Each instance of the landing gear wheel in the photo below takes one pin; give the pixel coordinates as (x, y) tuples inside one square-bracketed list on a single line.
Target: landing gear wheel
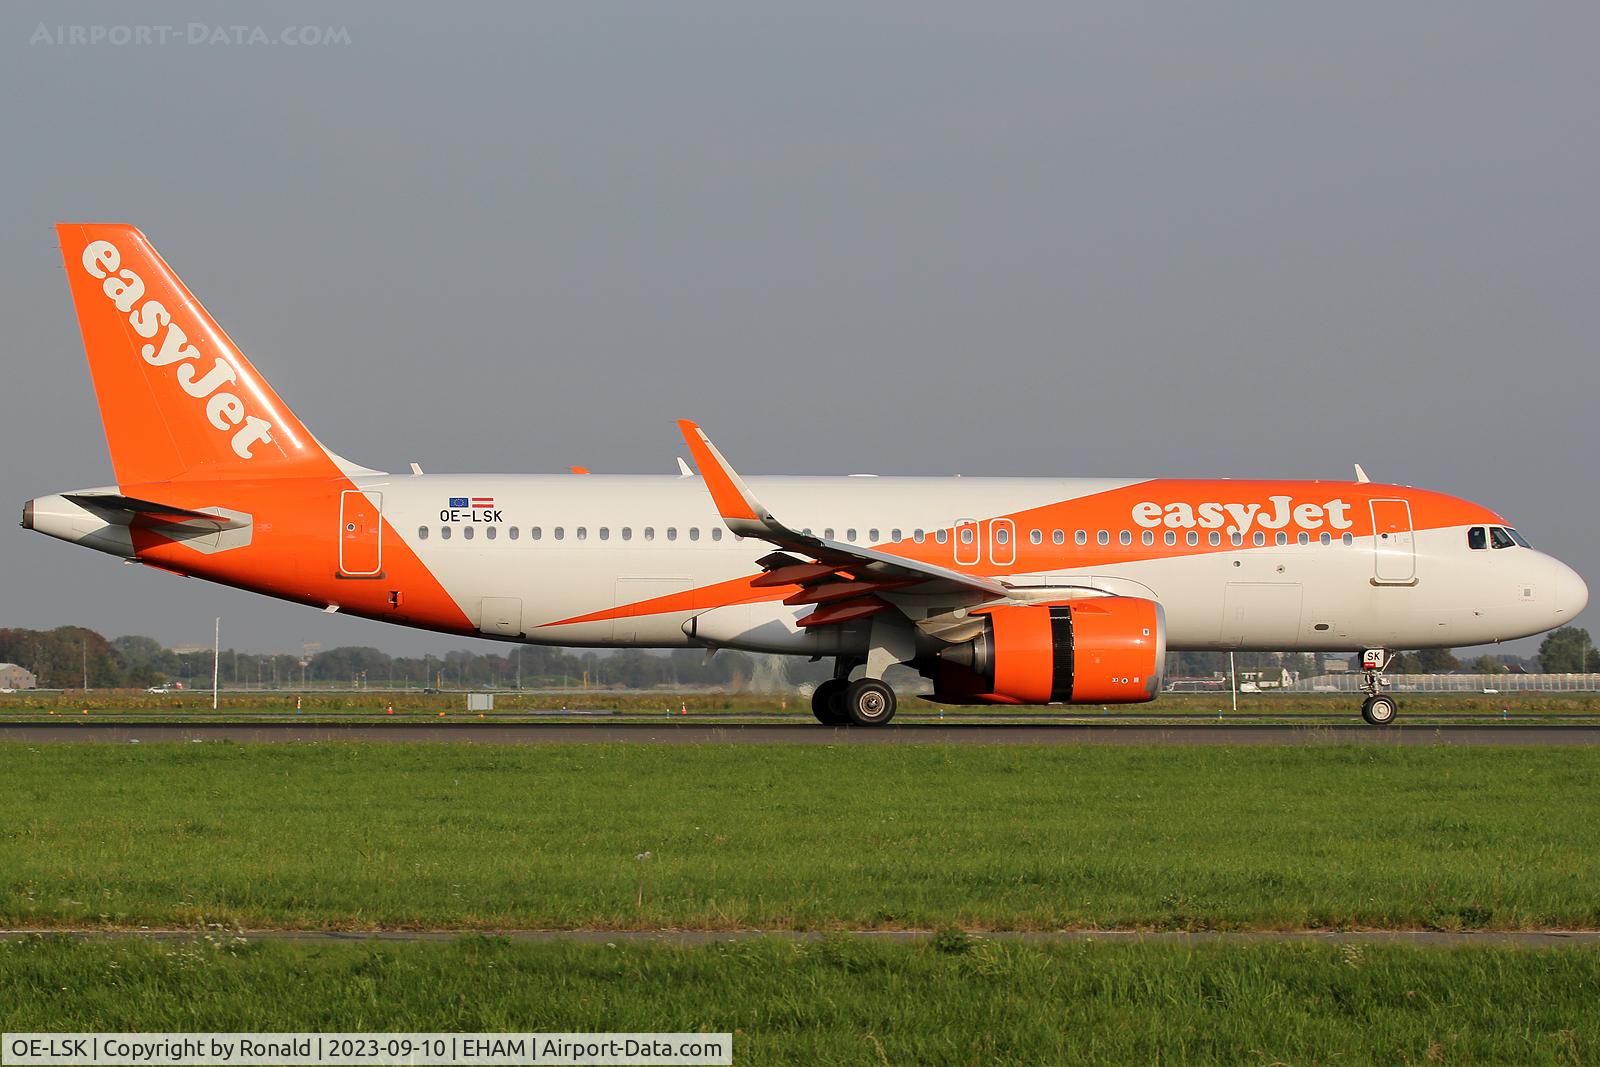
[(827, 702), (1379, 710), (868, 702)]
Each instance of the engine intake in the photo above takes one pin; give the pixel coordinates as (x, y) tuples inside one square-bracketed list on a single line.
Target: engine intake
[(1106, 650)]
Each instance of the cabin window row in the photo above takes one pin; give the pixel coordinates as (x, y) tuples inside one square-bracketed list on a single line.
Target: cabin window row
[(1001, 534), (576, 533)]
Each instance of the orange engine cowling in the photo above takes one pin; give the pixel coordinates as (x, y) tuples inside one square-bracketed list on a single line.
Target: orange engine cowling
[(1105, 650)]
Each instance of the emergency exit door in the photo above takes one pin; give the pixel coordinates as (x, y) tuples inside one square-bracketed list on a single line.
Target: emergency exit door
[(1393, 544), (360, 534)]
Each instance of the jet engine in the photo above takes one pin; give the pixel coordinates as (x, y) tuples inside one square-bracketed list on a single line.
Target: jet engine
[(1105, 650)]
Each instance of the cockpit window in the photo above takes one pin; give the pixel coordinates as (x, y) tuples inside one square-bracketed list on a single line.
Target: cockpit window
[(1477, 537), (1518, 538), (1500, 537)]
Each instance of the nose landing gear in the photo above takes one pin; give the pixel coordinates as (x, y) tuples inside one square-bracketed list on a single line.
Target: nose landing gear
[(1379, 708)]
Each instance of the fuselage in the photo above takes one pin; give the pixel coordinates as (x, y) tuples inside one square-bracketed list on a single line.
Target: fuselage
[(599, 560)]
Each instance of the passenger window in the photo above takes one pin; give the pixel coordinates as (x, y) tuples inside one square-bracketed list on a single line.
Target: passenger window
[(1305, 538), (1125, 537), (1348, 539), (716, 533), (558, 533), (1260, 538), (627, 533), (827, 533), (512, 533), (581, 533), (1477, 538), (672, 533), (1103, 537), (1498, 538), (1002, 535), (941, 536), (1193, 537), (422, 533), (1215, 538), (1236, 538), (490, 532), (649, 533), (850, 535), (1326, 538), (534, 533), (444, 533), (1148, 537), (1036, 537), (605, 533), (1059, 537), (918, 536), (1170, 537), (1282, 538), (966, 535), (894, 535), (466, 532), (694, 533), (1081, 537), (872, 535)]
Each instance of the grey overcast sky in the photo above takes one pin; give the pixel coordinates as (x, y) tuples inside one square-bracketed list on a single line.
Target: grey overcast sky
[(1122, 239)]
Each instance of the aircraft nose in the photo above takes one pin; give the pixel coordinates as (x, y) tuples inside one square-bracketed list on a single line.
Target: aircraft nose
[(1571, 593)]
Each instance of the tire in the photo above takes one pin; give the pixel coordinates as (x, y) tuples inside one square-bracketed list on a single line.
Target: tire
[(1379, 710), (827, 702), (868, 702)]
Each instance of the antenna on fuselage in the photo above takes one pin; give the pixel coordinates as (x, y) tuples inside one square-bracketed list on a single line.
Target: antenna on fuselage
[(1361, 474)]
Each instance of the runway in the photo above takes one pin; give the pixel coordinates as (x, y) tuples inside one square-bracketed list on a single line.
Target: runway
[(695, 733)]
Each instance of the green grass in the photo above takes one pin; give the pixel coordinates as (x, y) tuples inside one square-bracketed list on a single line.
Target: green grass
[(845, 1001), (817, 837)]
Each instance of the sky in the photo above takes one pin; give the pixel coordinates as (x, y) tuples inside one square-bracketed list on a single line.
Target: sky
[(1107, 240)]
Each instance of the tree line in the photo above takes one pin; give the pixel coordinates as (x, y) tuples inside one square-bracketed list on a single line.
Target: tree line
[(70, 657)]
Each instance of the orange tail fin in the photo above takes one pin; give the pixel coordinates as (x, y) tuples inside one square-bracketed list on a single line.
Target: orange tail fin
[(177, 397)]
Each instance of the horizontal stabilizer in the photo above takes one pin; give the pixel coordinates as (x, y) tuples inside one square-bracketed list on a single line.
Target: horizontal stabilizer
[(131, 511)]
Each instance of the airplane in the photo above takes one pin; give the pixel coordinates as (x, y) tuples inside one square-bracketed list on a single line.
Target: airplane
[(998, 591)]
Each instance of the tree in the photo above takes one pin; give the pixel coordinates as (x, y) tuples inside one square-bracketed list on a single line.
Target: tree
[(1568, 650), (1486, 664), (1437, 661)]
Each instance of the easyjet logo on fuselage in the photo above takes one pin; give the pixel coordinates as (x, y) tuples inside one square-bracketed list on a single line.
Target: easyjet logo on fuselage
[(1277, 513), (224, 410)]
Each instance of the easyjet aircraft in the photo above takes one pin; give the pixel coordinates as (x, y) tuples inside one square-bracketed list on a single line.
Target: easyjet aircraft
[(998, 590)]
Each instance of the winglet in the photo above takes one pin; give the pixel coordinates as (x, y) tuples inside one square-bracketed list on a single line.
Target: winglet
[(732, 497)]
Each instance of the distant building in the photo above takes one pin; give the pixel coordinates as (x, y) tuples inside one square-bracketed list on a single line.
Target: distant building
[(15, 677)]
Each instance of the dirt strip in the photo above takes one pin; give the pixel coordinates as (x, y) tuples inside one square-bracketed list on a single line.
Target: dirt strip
[(790, 734), (1430, 938)]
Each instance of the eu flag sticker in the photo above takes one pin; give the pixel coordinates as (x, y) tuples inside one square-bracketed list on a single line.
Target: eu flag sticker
[(458, 501)]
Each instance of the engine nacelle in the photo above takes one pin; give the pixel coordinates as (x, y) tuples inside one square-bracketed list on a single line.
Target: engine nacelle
[(1104, 650)]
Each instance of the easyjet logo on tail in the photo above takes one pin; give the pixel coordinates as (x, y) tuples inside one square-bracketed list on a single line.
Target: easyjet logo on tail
[(224, 410), (1275, 514)]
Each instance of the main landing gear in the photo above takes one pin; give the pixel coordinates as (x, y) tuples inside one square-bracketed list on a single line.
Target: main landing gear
[(1379, 708), (863, 702)]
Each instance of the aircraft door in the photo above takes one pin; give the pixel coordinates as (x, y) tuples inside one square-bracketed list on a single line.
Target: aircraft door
[(968, 543), (1393, 543), (1002, 542), (360, 534)]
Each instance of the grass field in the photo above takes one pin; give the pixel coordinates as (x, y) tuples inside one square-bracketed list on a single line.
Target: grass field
[(816, 837), (843, 1001)]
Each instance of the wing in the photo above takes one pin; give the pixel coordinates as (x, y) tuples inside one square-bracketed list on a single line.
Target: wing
[(845, 581)]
